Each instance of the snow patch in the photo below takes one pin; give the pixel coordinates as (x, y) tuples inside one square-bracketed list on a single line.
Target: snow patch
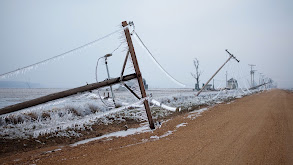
[(132, 131), (194, 114), (58, 149), (167, 134), (181, 125), (159, 104)]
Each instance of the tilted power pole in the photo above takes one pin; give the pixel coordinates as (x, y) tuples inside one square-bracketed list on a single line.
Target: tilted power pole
[(231, 56), (138, 73)]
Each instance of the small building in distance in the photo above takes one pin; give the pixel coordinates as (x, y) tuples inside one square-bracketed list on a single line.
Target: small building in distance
[(209, 87), (146, 86), (196, 87), (232, 84)]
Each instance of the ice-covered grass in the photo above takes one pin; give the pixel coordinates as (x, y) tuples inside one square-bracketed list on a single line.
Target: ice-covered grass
[(65, 117)]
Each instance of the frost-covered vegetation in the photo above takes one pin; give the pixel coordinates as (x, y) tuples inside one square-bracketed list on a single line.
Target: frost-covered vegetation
[(66, 117)]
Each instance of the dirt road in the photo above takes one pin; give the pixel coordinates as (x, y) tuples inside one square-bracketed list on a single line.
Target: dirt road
[(256, 129)]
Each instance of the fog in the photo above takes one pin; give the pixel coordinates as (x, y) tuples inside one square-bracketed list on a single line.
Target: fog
[(176, 32)]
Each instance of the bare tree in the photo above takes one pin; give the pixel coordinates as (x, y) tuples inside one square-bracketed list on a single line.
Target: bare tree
[(197, 73)]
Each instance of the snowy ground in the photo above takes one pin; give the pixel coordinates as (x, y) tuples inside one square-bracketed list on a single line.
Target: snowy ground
[(64, 116)]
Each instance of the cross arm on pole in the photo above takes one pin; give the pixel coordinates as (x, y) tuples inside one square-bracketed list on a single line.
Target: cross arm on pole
[(232, 55)]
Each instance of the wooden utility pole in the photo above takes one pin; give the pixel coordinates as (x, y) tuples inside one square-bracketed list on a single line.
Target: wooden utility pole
[(231, 56), (138, 73), (63, 94)]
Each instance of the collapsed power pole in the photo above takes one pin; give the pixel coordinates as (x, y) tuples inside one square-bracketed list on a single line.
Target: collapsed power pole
[(59, 95), (109, 82), (231, 56)]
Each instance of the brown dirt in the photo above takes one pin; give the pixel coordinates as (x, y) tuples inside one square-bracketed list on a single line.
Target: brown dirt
[(257, 129)]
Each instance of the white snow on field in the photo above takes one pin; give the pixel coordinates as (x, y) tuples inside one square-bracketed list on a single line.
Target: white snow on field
[(132, 131), (194, 114), (64, 117), (168, 133), (181, 125)]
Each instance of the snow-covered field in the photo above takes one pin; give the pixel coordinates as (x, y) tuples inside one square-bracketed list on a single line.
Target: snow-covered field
[(65, 116)]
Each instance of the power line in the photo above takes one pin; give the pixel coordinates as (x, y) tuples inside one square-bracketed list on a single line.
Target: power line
[(160, 66), (58, 56)]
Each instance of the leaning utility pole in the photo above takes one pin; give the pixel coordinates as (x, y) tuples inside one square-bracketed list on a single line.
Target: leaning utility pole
[(138, 73), (59, 95), (231, 56)]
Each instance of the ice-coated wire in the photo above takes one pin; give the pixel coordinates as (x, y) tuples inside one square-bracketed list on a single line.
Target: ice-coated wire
[(117, 47), (98, 91), (221, 82), (241, 70), (239, 78), (228, 68), (96, 71), (29, 67), (158, 64), (218, 92)]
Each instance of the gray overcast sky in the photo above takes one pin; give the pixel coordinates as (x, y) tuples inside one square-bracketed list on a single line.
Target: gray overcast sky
[(256, 31)]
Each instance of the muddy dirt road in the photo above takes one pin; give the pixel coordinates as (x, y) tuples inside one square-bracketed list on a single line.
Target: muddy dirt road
[(256, 129)]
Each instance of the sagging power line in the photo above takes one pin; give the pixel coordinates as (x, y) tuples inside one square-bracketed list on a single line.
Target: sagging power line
[(158, 64), (29, 67)]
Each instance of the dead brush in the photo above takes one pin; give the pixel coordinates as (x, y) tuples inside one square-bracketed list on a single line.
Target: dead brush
[(32, 116), (46, 116), (131, 108), (73, 111), (93, 108), (11, 119)]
